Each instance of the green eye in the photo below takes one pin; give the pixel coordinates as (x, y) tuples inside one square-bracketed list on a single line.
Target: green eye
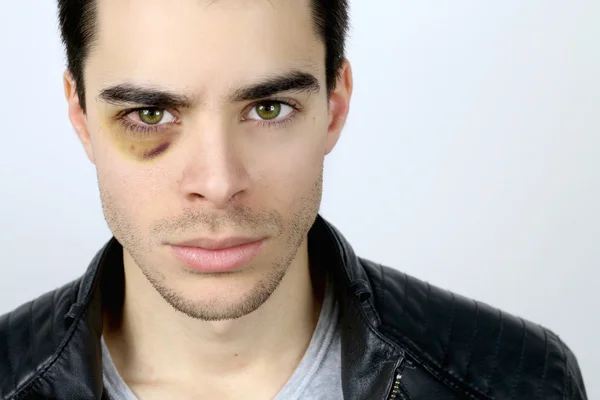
[(271, 112), (268, 110), (151, 116)]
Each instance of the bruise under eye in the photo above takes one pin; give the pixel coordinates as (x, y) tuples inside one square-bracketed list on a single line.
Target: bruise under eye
[(143, 152), (156, 151)]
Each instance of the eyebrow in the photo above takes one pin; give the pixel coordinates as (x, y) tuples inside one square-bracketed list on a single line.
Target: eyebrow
[(134, 94), (295, 81)]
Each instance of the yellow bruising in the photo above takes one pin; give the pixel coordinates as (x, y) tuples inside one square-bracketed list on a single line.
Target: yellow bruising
[(144, 150)]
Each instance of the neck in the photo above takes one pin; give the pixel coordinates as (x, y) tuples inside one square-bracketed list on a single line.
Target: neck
[(152, 342)]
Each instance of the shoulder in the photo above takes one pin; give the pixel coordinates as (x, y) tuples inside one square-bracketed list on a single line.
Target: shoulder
[(471, 343), (30, 336)]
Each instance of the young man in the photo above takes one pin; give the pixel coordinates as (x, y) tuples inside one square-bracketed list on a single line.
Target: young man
[(208, 122)]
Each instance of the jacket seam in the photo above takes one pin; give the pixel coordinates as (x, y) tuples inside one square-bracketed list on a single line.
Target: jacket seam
[(379, 295), (450, 330), (461, 387), (53, 317), (404, 392), (521, 357), (427, 361), (475, 330), (426, 306), (30, 331), (543, 377), (495, 362), (8, 350), (566, 368)]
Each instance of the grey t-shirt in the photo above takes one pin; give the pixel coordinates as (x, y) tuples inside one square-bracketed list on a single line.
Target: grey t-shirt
[(318, 376)]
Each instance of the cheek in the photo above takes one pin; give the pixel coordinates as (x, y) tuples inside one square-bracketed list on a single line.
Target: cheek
[(291, 172), (132, 200), (134, 188)]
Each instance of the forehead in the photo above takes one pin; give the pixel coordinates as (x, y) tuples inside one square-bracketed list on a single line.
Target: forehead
[(189, 43)]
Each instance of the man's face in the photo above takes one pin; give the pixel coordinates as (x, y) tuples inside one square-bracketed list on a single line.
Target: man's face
[(209, 119)]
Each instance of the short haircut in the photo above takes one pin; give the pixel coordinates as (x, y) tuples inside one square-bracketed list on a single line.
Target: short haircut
[(78, 31)]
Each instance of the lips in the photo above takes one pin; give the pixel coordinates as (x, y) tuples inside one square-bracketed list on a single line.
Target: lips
[(211, 256), (217, 244)]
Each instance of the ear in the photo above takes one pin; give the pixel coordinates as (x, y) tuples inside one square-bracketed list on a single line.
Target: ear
[(339, 105), (77, 115)]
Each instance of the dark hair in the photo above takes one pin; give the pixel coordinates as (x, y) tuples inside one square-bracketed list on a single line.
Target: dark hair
[(78, 28)]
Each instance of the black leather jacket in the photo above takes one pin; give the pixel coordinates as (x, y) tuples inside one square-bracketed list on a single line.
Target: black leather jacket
[(401, 338)]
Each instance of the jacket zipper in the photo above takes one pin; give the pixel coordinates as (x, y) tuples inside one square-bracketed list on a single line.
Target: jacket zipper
[(395, 390)]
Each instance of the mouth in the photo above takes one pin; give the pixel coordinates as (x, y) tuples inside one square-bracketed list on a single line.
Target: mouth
[(210, 256)]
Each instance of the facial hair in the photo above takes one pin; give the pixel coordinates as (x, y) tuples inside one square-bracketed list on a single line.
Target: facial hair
[(293, 232)]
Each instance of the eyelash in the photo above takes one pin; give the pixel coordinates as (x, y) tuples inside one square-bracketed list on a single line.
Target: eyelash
[(279, 123), (145, 130)]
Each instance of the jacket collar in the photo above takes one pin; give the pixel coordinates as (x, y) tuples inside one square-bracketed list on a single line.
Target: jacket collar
[(368, 358)]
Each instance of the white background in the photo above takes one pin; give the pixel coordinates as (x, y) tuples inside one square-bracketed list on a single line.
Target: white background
[(471, 157)]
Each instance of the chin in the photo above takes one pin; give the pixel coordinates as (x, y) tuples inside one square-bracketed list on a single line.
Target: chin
[(218, 298)]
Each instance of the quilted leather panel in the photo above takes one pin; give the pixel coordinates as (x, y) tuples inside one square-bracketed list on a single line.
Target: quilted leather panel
[(471, 346)]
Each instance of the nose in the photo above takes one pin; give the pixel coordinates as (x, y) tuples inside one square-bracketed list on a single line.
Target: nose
[(215, 171)]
